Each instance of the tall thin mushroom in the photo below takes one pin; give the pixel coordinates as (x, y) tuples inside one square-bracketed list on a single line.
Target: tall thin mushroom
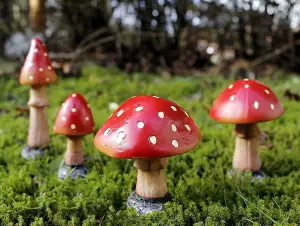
[(148, 129), (38, 73), (246, 103)]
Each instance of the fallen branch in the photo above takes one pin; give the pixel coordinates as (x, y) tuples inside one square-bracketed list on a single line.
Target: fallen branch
[(92, 36), (85, 45), (274, 54)]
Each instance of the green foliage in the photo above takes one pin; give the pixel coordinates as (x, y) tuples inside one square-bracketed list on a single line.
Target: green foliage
[(31, 194)]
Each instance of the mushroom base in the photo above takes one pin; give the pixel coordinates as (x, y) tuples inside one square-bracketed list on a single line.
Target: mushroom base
[(33, 152), (79, 171), (246, 156), (255, 175), (147, 205)]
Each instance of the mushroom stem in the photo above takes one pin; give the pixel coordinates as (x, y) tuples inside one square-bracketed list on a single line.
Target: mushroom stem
[(246, 156), (74, 155), (38, 134), (151, 181)]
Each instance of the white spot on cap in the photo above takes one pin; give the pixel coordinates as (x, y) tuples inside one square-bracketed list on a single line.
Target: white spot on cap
[(45, 54), (41, 69), (174, 108), (246, 86), (74, 95), (256, 104), (49, 67), (187, 127), (63, 118), (272, 106), (107, 132), (140, 125), (30, 77), (267, 91), (74, 109), (47, 79), (161, 114), (73, 126), (139, 108), (155, 96), (133, 97), (152, 139), (87, 118), (246, 79), (175, 143), (36, 50), (120, 137), (174, 129), (232, 98), (230, 87), (120, 113)]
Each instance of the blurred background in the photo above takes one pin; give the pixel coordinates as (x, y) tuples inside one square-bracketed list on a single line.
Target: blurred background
[(157, 36)]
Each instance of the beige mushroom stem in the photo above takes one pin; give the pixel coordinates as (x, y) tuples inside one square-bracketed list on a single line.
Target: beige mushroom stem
[(151, 181), (246, 155), (38, 134), (74, 155)]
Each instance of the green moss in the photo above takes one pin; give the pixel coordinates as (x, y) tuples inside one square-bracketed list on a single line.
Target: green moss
[(31, 194)]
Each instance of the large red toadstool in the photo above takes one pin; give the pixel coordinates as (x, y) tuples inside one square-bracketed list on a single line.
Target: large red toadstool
[(74, 120), (148, 129), (245, 103), (38, 73)]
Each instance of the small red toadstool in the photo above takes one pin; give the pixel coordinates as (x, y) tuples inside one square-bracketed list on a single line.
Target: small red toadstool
[(74, 120), (245, 103), (148, 129), (38, 73)]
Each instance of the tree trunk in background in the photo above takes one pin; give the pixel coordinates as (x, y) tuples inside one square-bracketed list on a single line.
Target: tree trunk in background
[(291, 38), (37, 15), (144, 14), (241, 32), (181, 9), (5, 28)]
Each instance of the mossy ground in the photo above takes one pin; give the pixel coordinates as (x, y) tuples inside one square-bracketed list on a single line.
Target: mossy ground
[(31, 194)]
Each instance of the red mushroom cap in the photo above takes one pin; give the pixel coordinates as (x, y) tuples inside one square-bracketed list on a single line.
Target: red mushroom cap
[(246, 101), (37, 69), (75, 117), (148, 127)]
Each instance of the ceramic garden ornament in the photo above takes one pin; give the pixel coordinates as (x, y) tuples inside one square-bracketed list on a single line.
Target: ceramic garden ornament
[(148, 129), (74, 120), (246, 103), (38, 73)]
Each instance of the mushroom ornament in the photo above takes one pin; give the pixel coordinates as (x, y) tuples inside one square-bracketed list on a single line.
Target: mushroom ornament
[(38, 73), (74, 120), (245, 103), (148, 129)]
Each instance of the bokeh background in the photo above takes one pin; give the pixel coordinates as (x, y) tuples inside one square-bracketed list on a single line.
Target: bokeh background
[(164, 36)]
